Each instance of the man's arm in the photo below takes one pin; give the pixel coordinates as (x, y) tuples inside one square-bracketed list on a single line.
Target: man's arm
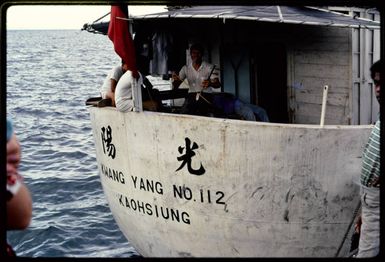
[(111, 94), (176, 81)]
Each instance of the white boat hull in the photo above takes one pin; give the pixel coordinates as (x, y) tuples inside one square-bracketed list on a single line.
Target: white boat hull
[(268, 190)]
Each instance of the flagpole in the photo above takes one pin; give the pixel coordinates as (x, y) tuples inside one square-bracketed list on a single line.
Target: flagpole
[(136, 88), (120, 33)]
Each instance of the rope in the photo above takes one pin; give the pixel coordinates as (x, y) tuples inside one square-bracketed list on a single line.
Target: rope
[(204, 98), (101, 17)]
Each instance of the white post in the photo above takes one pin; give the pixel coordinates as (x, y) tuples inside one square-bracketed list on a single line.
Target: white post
[(324, 99), (137, 96), (129, 22), (136, 88)]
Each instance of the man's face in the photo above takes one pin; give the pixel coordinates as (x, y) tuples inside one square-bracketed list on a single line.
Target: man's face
[(377, 82), (196, 56)]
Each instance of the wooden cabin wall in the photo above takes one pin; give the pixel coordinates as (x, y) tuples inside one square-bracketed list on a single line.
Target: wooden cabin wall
[(316, 56), (321, 57), (365, 51)]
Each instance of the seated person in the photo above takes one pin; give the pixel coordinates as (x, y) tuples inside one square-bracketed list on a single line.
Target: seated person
[(227, 104), (123, 92), (107, 90), (258, 111)]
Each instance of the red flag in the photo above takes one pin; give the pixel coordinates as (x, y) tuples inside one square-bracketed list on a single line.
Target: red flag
[(119, 34)]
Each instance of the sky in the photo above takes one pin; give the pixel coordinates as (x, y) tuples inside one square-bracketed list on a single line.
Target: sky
[(64, 16)]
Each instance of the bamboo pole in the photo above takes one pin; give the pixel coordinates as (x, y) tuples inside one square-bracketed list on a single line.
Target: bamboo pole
[(324, 100)]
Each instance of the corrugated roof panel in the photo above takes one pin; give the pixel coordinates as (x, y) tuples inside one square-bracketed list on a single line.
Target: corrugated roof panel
[(282, 14)]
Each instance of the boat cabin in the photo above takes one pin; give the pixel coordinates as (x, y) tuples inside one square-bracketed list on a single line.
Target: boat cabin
[(277, 57)]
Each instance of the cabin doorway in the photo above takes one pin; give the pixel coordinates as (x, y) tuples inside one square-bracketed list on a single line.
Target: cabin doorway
[(269, 70)]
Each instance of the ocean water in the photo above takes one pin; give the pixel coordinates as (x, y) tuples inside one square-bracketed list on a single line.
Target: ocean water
[(50, 74)]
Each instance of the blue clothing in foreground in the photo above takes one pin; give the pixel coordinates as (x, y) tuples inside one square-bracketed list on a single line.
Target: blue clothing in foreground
[(9, 129)]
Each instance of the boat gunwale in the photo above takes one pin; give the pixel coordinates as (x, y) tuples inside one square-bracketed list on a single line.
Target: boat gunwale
[(243, 122)]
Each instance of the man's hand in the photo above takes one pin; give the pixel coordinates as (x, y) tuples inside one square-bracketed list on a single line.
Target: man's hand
[(174, 76), (205, 84), (176, 81)]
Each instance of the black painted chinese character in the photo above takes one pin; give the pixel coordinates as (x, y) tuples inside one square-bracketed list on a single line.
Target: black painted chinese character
[(186, 158), (106, 142)]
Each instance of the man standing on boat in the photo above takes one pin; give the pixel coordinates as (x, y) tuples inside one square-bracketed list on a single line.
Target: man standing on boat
[(200, 78), (368, 223)]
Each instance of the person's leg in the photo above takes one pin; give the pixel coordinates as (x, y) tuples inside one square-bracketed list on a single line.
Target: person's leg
[(244, 111), (369, 245), (260, 112)]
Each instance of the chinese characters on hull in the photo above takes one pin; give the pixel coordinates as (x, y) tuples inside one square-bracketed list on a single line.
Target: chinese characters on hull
[(106, 142), (187, 158)]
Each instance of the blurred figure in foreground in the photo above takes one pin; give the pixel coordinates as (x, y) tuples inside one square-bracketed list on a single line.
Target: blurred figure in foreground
[(19, 202), (368, 223)]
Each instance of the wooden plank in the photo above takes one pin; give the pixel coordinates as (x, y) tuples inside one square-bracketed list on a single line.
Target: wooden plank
[(321, 71), (321, 58), (365, 104), (356, 103), (315, 121), (334, 114), (316, 98), (323, 32), (323, 46), (316, 83)]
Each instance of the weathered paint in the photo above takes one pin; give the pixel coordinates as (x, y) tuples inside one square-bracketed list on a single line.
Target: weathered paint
[(269, 190)]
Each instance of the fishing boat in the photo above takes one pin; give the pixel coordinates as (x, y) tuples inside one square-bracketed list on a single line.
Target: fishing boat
[(197, 186)]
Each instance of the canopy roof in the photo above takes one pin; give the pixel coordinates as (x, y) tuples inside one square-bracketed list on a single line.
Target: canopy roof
[(278, 14)]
